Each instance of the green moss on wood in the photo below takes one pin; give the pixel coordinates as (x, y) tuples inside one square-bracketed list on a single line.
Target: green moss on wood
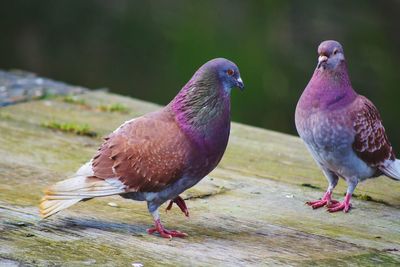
[(5, 116), (72, 99), (365, 259), (366, 197), (70, 127), (115, 107), (46, 95)]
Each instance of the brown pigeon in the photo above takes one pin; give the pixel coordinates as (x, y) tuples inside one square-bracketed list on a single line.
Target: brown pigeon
[(156, 157)]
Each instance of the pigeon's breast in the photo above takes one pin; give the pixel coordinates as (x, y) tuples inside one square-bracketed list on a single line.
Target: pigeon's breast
[(209, 149), (330, 131), (329, 137)]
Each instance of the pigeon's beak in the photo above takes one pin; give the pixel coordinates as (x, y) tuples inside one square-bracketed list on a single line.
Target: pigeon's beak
[(321, 60), (240, 84)]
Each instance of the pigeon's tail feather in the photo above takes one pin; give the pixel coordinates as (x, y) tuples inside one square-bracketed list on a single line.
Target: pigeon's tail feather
[(69, 192), (392, 169)]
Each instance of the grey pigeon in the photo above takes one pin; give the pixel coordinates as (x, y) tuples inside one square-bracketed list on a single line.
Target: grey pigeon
[(342, 130)]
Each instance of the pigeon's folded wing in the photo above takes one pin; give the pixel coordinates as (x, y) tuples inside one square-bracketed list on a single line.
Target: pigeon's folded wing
[(146, 154), (371, 143)]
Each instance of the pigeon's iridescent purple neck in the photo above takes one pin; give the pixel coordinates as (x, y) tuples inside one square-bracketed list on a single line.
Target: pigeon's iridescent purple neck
[(202, 109), (328, 89)]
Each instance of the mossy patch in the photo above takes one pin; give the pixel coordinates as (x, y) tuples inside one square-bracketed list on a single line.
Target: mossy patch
[(57, 253), (363, 197), (46, 95), (5, 116), (71, 99), (70, 127), (366, 197), (115, 107), (367, 259)]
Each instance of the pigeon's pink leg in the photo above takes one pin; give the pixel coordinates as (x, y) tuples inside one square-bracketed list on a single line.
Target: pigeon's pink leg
[(326, 200), (181, 204), (345, 205), (159, 228)]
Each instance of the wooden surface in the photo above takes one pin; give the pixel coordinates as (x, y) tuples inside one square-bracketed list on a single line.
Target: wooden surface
[(249, 211)]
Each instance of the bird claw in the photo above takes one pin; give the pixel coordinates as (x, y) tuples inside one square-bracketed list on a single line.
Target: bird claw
[(325, 201), (339, 206), (345, 205), (317, 204), (333, 203), (159, 228), (181, 204)]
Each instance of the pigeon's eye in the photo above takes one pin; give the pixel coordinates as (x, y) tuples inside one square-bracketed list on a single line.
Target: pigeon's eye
[(230, 72), (335, 51)]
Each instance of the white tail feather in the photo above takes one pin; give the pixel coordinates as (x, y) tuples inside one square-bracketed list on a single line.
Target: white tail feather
[(392, 169), (69, 192)]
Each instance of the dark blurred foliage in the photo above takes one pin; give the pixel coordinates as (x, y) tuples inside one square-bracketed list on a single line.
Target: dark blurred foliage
[(149, 49)]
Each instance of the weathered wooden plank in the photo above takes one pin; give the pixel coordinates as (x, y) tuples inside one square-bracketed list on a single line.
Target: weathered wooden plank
[(249, 211)]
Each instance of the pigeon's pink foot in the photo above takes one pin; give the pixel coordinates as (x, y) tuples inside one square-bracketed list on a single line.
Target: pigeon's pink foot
[(345, 205), (326, 200), (159, 228), (181, 204)]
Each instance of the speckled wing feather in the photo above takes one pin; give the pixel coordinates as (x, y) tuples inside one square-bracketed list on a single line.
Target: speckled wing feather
[(146, 154), (371, 143)]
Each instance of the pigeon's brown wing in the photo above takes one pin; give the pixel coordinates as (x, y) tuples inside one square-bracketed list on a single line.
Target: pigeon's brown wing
[(371, 143), (146, 154)]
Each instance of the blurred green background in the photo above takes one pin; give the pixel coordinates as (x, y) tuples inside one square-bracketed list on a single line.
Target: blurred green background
[(149, 49)]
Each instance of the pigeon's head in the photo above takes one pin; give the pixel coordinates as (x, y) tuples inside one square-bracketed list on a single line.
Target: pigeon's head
[(330, 55), (226, 72)]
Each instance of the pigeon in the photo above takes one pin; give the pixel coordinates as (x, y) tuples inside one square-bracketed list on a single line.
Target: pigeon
[(342, 129), (159, 155)]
